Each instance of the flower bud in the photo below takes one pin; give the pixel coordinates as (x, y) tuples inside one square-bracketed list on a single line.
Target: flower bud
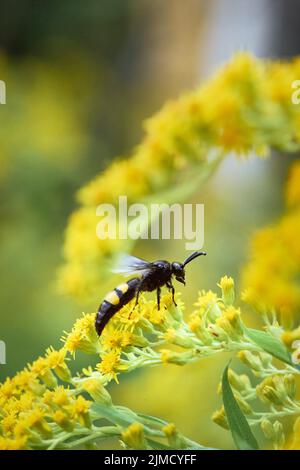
[(49, 379), (80, 411), (227, 286), (96, 390), (250, 360), (245, 407), (174, 439), (176, 312), (290, 385), (179, 338), (267, 429), (171, 357), (139, 341), (207, 305), (216, 332), (196, 325), (268, 394), (266, 359), (63, 372), (219, 417), (239, 382), (63, 420), (133, 436), (279, 435), (230, 322), (272, 390), (169, 429)]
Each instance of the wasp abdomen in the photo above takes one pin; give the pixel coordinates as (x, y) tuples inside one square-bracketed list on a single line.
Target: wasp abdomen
[(114, 301)]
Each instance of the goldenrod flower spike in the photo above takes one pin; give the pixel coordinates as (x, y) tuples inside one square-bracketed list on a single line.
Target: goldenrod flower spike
[(245, 108), (271, 276), (45, 406)]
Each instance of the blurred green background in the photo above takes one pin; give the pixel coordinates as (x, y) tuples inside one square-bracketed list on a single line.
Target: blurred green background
[(81, 77)]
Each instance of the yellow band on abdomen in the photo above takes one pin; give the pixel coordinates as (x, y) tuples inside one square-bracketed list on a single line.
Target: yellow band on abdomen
[(112, 298), (123, 287)]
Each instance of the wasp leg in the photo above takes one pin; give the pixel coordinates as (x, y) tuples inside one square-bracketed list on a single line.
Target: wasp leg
[(158, 292), (172, 289), (137, 293)]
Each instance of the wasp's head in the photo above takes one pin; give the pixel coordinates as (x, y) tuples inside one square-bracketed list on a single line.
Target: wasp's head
[(179, 272), (178, 268)]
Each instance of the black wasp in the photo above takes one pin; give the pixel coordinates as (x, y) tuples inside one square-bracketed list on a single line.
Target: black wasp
[(151, 276)]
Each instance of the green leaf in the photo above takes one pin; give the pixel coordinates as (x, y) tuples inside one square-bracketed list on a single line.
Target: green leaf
[(270, 344), (115, 415), (239, 427)]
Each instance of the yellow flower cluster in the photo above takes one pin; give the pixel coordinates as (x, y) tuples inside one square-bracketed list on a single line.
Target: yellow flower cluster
[(133, 336), (271, 277), (277, 389), (144, 335), (245, 108), (33, 406), (83, 336), (45, 406), (45, 116), (126, 332), (216, 318)]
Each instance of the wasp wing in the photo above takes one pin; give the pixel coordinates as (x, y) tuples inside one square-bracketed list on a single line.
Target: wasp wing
[(129, 265)]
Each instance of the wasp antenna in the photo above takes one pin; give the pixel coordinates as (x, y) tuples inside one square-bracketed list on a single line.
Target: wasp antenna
[(193, 256)]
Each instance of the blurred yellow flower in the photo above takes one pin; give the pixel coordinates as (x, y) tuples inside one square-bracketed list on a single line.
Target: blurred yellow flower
[(271, 276), (45, 118), (293, 185), (295, 438)]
